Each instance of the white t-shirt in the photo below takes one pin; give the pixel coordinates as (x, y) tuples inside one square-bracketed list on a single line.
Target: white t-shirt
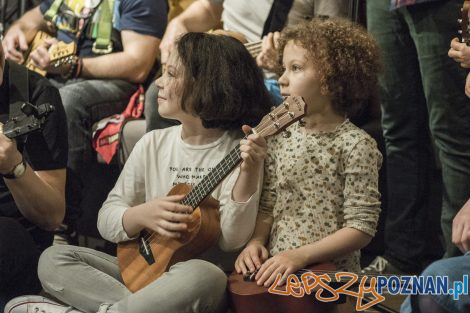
[(249, 16), (160, 160)]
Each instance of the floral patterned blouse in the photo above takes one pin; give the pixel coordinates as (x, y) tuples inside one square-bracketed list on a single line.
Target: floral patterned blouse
[(316, 184)]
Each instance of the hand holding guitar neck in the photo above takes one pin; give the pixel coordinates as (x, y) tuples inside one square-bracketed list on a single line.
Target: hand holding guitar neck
[(51, 56)]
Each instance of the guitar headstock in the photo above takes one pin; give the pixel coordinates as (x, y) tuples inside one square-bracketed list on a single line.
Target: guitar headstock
[(61, 50), (30, 119), (464, 22), (292, 109)]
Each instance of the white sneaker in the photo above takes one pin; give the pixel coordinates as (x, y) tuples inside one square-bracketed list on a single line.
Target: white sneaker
[(36, 304)]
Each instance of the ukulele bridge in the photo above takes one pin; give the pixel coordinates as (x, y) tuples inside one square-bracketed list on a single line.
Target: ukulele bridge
[(146, 251)]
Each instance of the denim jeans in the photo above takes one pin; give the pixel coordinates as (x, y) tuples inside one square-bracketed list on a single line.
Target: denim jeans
[(90, 281), (422, 92), (86, 102), (18, 261), (454, 268)]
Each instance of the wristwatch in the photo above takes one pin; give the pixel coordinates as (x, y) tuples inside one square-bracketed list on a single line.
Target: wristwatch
[(17, 171)]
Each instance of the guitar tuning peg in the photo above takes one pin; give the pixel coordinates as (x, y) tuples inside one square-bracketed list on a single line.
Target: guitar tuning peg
[(460, 31), (459, 21), (286, 134)]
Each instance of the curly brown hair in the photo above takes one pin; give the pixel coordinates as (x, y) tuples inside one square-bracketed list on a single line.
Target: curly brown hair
[(346, 57)]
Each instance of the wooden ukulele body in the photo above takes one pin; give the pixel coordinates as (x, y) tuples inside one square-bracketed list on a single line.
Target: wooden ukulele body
[(248, 297), (203, 232)]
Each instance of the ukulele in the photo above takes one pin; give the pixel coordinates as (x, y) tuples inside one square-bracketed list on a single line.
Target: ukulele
[(245, 296), (59, 53), (464, 22), (146, 258)]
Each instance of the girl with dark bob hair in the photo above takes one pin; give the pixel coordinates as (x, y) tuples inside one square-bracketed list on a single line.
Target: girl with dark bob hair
[(209, 62), (320, 198), (214, 88)]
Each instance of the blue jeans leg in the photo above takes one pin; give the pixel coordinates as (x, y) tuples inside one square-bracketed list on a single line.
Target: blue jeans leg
[(86, 102), (409, 238)]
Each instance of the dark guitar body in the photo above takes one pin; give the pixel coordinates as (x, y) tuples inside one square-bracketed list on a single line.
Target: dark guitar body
[(248, 297), (203, 232)]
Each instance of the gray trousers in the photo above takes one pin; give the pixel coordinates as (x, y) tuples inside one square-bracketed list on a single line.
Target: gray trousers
[(90, 281)]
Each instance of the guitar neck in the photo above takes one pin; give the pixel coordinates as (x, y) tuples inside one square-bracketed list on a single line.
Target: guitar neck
[(212, 180)]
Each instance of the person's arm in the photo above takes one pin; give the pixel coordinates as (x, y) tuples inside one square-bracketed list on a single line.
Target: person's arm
[(132, 64), (255, 252), (240, 194), (125, 212), (361, 211), (40, 196), (461, 228), (21, 33), (200, 16)]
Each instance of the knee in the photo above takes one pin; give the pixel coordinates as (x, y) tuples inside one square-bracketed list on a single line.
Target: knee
[(71, 99), (454, 268), (209, 275), (52, 261)]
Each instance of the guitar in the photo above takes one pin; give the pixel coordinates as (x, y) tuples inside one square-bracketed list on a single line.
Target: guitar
[(146, 258), (245, 296), (59, 53), (464, 22), (31, 119)]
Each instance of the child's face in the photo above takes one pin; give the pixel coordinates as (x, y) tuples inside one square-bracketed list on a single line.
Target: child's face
[(170, 88), (300, 78)]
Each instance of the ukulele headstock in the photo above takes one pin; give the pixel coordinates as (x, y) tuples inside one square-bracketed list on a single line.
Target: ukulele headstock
[(292, 109)]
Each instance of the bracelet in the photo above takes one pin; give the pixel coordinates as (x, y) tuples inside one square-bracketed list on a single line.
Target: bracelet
[(72, 60)]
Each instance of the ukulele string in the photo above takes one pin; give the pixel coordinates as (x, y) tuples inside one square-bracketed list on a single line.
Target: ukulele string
[(264, 128)]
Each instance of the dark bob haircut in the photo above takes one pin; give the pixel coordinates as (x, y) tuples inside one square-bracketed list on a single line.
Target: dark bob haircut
[(346, 58), (221, 82)]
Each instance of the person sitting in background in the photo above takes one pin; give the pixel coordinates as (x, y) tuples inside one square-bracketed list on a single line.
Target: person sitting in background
[(32, 186), (116, 44)]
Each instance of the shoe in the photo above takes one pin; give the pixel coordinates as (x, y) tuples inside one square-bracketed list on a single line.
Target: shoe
[(381, 265), (36, 304)]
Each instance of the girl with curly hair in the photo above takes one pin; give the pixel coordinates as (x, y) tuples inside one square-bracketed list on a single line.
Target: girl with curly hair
[(320, 199)]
